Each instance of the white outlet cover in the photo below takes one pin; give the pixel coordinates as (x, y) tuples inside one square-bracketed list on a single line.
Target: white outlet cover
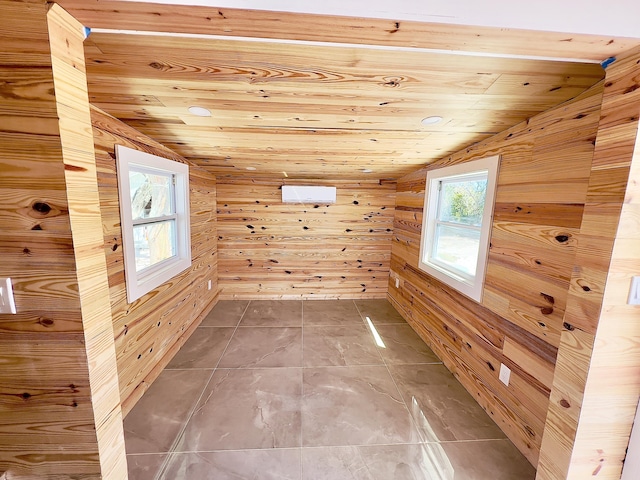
[(7, 302), (505, 374)]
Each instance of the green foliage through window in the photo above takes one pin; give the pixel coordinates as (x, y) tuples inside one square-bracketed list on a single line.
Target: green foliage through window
[(463, 201)]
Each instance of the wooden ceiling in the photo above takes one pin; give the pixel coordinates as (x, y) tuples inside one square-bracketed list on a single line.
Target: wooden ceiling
[(309, 110)]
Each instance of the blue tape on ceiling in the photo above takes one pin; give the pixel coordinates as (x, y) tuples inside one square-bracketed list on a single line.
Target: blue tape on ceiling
[(605, 63)]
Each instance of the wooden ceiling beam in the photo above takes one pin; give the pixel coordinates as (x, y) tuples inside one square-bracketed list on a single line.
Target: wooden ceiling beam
[(229, 22)]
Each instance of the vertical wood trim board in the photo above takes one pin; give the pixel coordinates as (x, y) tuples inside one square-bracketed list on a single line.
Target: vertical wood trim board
[(541, 193), (597, 382), (58, 410), (66, 38), (149, 331), (269, 249)]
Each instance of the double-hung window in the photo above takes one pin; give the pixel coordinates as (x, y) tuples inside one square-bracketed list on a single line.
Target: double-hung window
[(154, 213), (457, 224)]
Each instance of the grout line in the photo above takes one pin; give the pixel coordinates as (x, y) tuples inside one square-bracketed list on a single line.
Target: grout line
[(302, 394), (171, 452), (267, 326)]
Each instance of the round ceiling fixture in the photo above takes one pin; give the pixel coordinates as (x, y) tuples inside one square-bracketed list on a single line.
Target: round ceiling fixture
[(199, 111), (431, 120)]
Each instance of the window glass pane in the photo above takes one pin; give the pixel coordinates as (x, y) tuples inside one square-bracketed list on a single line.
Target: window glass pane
[(457, 247), (462, 201), (151, 194), (153, 243)]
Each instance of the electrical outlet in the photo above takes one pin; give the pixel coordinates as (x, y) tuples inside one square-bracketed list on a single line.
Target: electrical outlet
[(505, 374), (397, 282), (7, 303), (209, 284)]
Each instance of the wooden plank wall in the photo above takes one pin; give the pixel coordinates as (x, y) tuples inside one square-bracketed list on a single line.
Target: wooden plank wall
[(542, 187), (273, 250), (149, 331), (59, 400), (597, 382)]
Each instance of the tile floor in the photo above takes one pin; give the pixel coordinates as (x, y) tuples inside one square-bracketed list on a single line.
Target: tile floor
[(306, 390)]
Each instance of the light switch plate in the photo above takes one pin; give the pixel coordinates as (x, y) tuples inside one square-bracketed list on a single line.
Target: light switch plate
[(7, 303), (634, 293), (505, 374)]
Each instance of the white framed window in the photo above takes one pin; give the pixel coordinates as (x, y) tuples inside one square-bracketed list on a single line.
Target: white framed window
[(456, 224), (154, 214)]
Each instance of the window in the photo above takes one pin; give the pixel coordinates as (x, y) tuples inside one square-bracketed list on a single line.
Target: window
[(456, 224), (154, 213)]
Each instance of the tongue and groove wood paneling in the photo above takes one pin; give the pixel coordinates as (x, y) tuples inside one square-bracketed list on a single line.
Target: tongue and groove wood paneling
[(59, 401), (317, 110), (273, 250), (542, 188), (149, 331)]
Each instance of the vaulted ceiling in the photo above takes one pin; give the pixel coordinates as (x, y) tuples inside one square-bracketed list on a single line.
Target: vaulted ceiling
[(284, 104)]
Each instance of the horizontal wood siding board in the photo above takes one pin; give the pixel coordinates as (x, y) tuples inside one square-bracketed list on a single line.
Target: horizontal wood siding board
[(275, 250), (541, 194)]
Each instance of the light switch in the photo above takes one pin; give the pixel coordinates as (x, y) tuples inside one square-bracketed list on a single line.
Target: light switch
[(7, 303), (505, 374), (634, 293)]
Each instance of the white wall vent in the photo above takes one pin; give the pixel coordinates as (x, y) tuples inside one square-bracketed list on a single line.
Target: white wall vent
[(308, 194)]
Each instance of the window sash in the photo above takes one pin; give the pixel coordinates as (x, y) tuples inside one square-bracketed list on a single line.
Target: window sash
[(440, 216), (136, 168), (171, 207)]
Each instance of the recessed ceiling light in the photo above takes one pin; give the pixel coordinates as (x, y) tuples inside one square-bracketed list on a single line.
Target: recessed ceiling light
[(431, 120), (250, 168), (199, 111), (366, 170)]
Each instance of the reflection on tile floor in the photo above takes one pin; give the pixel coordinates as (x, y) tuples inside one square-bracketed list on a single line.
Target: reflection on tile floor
[(312, 390)]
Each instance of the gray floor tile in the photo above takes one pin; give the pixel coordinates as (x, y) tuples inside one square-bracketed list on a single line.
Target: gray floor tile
[(226, 313), (481, 460), (403, 345), (331, 312), (264, 347), (153, 425), (442, 409), (333, 463), (379, 310), (246, 409), (203, 349), (274, 464), (145, 466), (353, 406), (273, 313), (340, 346)]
